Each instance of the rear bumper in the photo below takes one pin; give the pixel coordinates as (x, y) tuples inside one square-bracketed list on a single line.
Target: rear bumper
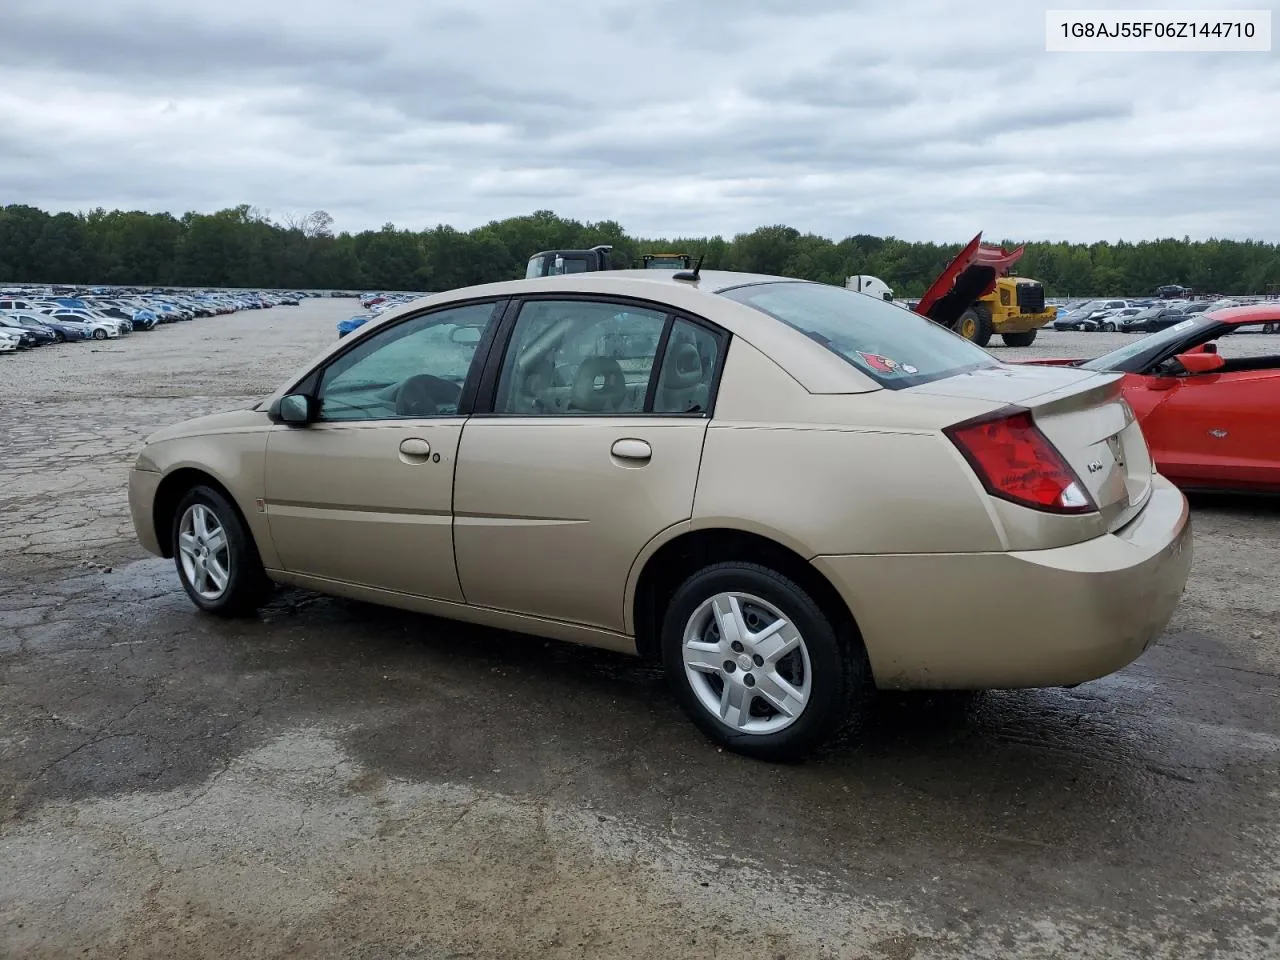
[(1020, 619)]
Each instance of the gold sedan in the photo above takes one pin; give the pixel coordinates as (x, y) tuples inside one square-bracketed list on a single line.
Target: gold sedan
[(786, 492)]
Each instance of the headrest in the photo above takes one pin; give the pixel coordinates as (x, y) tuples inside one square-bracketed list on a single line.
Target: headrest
[(599, 384), (683, 366)]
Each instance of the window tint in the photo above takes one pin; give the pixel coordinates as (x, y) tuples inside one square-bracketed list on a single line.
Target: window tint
[(892, 345), (576, 357), (688, 370), (414, 369)]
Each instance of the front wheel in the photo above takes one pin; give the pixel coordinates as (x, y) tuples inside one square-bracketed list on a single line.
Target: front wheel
[(757, 664), (1108, 327), (216, 557), (59, 337), (975, 325)]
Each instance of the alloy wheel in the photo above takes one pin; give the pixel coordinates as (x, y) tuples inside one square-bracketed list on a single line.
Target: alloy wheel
[(747, 663), (204, 551)]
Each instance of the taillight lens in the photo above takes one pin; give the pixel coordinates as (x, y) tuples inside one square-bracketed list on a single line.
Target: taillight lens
[(1016, 462)]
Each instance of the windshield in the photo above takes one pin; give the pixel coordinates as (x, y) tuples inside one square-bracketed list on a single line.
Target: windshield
[(893, 346), (1154, 343)]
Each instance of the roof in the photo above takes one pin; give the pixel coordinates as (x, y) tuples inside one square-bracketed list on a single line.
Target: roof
[(815, 369), (1254, 313)]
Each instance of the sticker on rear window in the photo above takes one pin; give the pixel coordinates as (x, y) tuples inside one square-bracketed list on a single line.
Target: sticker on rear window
[(1184, 324), (885, 364)]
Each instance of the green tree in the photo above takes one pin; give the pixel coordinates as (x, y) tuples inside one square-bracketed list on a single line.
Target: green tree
[(243, 246)]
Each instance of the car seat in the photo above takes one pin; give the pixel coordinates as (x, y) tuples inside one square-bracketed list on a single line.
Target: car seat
[(684, 384)]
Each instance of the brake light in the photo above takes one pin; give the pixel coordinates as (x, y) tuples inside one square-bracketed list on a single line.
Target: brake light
[(1016, 462)]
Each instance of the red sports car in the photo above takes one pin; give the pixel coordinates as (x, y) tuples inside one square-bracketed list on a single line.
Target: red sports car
[(1210, 416)]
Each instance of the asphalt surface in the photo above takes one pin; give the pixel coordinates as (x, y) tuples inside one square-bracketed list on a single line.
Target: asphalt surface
[(335, 779)]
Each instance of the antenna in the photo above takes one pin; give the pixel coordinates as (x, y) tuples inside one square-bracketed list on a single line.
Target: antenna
[(690, 274)]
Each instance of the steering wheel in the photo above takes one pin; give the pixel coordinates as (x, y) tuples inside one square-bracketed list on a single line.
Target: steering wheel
[(422, 395)]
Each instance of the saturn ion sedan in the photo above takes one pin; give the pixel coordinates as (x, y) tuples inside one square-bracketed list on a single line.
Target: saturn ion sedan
[(788, 493)]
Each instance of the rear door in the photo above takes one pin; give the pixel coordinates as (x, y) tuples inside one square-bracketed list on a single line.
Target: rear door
[(590, 446)]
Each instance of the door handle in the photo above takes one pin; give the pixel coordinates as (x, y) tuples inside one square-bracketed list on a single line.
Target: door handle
[(636, 450), (415, 447)]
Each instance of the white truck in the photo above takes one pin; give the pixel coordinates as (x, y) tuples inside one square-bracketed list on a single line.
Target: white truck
[(871, 286)]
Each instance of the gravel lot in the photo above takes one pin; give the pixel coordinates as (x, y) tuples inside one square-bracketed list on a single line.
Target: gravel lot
[(334, 779)]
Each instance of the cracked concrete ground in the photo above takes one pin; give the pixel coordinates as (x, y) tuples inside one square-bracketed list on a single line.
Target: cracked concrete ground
[(334, 779)]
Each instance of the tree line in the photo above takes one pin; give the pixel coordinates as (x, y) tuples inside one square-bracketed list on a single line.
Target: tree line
[(245, 247)]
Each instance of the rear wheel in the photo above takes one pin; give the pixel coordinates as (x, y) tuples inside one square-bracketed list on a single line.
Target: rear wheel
[(216, 557), (756, 663), (975, 325), (99, 334), (1025, 339), (59, 337)]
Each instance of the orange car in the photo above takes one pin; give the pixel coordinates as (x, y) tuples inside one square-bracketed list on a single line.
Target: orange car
[(1211, 419)]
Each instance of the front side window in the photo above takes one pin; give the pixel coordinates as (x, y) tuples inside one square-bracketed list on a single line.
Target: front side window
[(579, 357), (415, 368), (893, 346)]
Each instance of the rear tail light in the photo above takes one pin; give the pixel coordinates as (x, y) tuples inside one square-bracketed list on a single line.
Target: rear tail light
[(1016, 462)]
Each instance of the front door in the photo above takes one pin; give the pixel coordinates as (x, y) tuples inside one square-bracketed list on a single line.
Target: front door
[(364, 494), (1218, 429), (590, 448)]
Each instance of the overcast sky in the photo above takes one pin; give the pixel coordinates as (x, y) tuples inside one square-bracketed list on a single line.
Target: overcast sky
[(924, 119)]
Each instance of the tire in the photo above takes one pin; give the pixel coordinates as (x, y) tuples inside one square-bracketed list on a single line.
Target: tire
[(1108, 327), (1268, 328), (99, 334), (975, 325), (245, 586), (59, 337), (827, 672), (1025, 339)]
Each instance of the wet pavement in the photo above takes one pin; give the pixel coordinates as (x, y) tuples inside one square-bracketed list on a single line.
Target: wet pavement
[(337, 779)]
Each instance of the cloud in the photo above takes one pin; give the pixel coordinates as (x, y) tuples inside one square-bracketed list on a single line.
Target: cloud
[(919, 119)]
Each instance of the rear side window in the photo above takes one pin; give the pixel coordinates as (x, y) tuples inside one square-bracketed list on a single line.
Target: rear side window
[(892, 345)]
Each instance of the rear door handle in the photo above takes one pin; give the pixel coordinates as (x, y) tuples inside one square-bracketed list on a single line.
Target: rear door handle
[(415, 447), (635, 450)]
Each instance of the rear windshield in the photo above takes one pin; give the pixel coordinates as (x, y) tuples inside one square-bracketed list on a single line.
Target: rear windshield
[(893, 346)]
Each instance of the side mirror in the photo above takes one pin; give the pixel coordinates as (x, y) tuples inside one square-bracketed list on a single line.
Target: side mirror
[(467, 335), (294, 408), (1201, 362)]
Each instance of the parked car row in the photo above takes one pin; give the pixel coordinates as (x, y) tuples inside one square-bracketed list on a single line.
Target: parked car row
[(1142, 316), (36, 318), (374, 304)]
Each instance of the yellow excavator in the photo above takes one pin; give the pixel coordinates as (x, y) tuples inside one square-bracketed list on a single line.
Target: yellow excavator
[(977, 296)]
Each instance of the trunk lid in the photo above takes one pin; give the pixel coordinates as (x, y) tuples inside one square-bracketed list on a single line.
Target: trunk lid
[(1084, 415)]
